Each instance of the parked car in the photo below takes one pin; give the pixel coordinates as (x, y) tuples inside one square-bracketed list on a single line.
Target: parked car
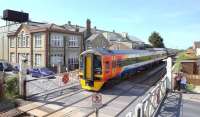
[(16, 69), (42, 72), (5, 66)]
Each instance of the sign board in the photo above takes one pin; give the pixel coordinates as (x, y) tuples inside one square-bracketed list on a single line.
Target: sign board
[(96, 100), (65, 78)]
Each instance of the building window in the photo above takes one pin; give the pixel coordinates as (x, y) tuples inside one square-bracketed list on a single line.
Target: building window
[(37, 59), (12, 42), (57, 40), (73, 41), (12, 57), (22, 56), (57, 59), (89, 45), (38, 41), (23, 40), (73, 60), (27, 41)]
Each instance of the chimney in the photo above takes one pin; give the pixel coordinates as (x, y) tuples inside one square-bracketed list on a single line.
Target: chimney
[(69, 23), (77, 29), (95, 28), (113, 31), (88, 27)]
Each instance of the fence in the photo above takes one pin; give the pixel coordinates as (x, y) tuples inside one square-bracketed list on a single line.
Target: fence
[(193, 79), (44, 85), (150, 104)]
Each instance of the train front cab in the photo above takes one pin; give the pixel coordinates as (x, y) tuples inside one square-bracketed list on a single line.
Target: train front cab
[(91, 72)]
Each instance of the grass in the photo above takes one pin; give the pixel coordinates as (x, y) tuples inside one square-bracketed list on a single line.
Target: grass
[(12, 89), (190, 87)]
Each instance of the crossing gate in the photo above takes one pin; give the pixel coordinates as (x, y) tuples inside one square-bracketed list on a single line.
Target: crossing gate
[(44, 85)]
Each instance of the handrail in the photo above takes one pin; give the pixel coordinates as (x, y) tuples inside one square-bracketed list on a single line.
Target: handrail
[(148, 106)]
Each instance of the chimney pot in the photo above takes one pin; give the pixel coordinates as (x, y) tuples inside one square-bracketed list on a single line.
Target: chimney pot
[(88, 27), (69, 22), (77, 29)]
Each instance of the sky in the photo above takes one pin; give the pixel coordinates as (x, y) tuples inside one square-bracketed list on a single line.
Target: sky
[(177, 21)]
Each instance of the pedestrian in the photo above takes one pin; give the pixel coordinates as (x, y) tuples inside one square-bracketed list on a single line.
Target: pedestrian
[(183, 82), (178, 80)]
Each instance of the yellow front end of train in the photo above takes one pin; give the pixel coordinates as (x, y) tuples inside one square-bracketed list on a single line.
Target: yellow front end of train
[(90, 72)]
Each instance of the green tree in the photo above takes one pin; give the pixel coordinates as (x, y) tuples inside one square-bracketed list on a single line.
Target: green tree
[(156, 40)]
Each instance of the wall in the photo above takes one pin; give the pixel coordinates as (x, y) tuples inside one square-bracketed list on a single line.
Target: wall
[(57, 52), (4, 30), (40, 50), (198, 52)]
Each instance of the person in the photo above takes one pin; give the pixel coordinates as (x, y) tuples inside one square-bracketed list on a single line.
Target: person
[(178, 80), (183, 82)]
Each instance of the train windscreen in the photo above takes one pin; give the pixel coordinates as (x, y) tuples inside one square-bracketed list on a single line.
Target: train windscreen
[(97, 64)]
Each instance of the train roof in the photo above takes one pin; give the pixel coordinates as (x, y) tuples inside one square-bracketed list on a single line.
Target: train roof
[(108, 52)]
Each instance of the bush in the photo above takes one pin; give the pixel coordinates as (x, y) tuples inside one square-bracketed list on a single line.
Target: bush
[(12, 89), (190, 87)]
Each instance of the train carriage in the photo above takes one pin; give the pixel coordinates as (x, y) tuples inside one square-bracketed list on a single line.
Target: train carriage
[(97, 66)]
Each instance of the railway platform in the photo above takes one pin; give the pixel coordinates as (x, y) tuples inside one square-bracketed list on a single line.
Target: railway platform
[(177, 104)]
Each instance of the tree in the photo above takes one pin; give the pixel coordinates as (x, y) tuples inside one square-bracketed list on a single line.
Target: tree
[(156, 40)]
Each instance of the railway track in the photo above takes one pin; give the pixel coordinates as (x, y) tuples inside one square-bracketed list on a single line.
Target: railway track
[(78, 103)]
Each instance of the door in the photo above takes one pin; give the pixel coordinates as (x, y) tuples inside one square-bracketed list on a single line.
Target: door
[(88, 65), (114, 65)]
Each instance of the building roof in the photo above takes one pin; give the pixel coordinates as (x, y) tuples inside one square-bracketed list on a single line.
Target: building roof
[(93, 36), (120, 46), (134, 39), (112, 36), (102, 51), (74, 27), (43, 27)]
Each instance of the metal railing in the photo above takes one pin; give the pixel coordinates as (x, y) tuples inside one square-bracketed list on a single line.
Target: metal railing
[(149, 105)]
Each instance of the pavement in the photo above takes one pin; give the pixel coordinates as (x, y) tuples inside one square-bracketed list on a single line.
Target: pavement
[(197, 89), (177, 104)]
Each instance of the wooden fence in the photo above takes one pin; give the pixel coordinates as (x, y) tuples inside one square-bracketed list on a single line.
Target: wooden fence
[(193, 79)]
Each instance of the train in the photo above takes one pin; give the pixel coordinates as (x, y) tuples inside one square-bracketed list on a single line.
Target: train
[(98, 66)]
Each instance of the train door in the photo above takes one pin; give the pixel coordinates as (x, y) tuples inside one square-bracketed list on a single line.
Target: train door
[(89, 67), (114, 66)]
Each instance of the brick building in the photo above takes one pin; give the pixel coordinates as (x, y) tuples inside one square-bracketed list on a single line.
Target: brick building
[(45, 45)]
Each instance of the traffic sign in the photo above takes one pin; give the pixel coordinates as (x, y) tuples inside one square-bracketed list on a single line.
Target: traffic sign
[(96, 100), (65, 78)]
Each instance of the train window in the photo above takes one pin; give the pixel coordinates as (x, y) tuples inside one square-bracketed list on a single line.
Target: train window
[(114, 64), (107, 65), (81, 63), (119, 63), (97, 64)]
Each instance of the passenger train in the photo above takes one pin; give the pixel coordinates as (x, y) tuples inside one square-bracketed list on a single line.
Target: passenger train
[(97, 66)]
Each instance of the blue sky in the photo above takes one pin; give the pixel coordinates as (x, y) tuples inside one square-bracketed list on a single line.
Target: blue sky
[(177, 21)]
